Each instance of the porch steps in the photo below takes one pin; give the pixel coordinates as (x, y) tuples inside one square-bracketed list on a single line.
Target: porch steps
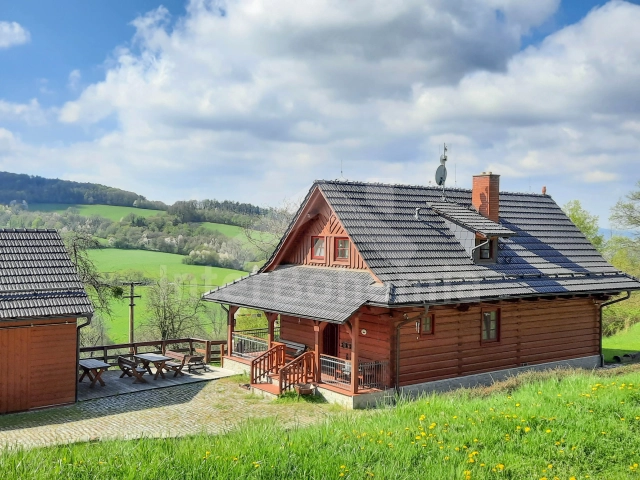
[(272, 388)]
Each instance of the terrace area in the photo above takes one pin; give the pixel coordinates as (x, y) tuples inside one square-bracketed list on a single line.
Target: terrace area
[(210, 350)]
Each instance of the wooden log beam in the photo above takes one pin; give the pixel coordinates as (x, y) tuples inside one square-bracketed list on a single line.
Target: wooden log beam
[(231, 323), (318, 329), (355, 350)]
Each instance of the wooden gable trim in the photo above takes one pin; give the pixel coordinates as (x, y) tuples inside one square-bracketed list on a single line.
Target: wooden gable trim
[(309, 212)]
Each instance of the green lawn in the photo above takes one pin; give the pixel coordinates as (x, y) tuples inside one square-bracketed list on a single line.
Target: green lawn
[(108, 211), (564, 425), (231, 231), (158, 264), (153, 265), (623, 342)]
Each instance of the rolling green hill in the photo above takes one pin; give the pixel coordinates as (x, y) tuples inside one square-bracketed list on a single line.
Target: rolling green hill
[(111, 212), (158, 264), (153, 265)]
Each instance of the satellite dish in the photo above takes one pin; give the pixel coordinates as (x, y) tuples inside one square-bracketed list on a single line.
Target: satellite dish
[(441, 175)]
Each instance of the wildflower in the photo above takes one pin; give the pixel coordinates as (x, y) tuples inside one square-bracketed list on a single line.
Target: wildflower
[(548, 430), (527, 429)]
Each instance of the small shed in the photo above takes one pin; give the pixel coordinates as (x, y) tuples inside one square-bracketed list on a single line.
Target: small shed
[(41, 300)]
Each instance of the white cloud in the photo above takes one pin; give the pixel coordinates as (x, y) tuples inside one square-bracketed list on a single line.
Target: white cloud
[(30, 113), (12, 33), (74, 79), (242, 100)]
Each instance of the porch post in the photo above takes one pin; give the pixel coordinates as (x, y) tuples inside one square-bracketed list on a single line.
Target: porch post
[(230, 327), (318, 328), (271, 321), (355, 331)]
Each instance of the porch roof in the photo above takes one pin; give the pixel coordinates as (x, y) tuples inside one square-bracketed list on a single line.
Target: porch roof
[(326, 294)]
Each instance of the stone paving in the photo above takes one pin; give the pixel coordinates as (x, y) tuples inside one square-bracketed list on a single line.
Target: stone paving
[(206, 407)]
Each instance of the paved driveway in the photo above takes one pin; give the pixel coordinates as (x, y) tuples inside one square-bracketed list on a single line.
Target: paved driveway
[(206, 407)]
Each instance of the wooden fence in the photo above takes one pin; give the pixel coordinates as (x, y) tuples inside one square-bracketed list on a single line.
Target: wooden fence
[(213, 350)]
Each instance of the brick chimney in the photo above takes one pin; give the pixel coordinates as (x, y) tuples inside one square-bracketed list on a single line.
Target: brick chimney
[(485, 195)]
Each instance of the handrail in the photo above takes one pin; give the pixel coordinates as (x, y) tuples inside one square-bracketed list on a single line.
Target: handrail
[(160, 346), (268, 362), (299, 370)]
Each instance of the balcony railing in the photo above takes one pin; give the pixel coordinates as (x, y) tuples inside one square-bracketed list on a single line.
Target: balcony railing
[(337, 372), (247, 346), (373, 375)]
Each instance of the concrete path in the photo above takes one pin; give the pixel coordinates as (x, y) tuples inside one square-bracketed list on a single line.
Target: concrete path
[(211, 407)]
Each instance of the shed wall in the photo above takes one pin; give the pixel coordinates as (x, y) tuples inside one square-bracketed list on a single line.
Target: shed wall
[(37, 364)]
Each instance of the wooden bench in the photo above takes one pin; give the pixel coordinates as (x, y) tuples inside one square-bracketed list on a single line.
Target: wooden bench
[(181, 359), (131, 369), (293, 349)]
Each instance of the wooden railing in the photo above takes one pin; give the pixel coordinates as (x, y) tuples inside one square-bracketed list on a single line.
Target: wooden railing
[(269, 362), (213, 350), (300, 370)]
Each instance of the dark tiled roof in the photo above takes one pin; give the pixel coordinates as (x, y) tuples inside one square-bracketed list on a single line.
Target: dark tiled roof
[(37, 278), (329, 294), (414, 255), (469, 219), (421, 259)]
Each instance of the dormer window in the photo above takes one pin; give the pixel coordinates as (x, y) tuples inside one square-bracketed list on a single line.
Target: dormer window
[(485, 250), (342, 249), (317, 248)]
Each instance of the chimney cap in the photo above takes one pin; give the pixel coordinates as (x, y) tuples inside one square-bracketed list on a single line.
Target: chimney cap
[(487, 174)]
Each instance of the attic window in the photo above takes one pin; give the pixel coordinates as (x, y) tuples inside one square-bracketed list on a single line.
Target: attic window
[(317, 252), (485, 250), (342, 249)]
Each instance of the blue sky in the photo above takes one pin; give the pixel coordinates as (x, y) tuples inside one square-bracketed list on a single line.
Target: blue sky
[(252, 100)]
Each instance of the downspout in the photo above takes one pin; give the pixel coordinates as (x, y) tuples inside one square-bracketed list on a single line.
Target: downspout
[(87, 323), (406, 320), (478, 246), (606, 304)]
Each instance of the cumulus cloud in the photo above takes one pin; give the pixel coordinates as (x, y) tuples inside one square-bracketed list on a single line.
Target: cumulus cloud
[(74, 79), (30, 113), (240, 94), (12, 33)]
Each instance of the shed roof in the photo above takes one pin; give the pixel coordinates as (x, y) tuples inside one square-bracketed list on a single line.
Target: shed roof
[(37, 277)]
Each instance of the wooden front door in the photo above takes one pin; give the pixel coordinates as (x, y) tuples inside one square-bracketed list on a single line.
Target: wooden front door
[(330, 338)]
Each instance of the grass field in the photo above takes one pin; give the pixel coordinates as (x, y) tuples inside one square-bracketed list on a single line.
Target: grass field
[(153, 265), (108, 211), (558, 425), (158, 264), (624, 342)]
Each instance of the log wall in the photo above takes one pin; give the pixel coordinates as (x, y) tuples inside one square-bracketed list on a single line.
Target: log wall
[(37, 364), (530, 333)]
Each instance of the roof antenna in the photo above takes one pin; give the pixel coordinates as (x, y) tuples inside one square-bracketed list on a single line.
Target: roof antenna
[(341, 174), (441, 172)]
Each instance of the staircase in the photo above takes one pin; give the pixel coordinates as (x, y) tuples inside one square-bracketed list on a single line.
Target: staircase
[(271, 373)]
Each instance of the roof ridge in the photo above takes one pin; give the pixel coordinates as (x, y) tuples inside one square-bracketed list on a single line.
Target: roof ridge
[(419, 187), (28, 230)]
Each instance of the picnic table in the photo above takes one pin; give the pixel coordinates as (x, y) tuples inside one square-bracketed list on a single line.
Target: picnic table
[(157, 360), (93, 369)]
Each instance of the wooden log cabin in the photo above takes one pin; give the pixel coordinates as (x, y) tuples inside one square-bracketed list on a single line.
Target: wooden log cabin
[(41, 300), (394, 286)]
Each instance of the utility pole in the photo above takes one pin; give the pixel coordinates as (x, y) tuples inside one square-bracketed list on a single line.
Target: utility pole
[(131, 296)]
